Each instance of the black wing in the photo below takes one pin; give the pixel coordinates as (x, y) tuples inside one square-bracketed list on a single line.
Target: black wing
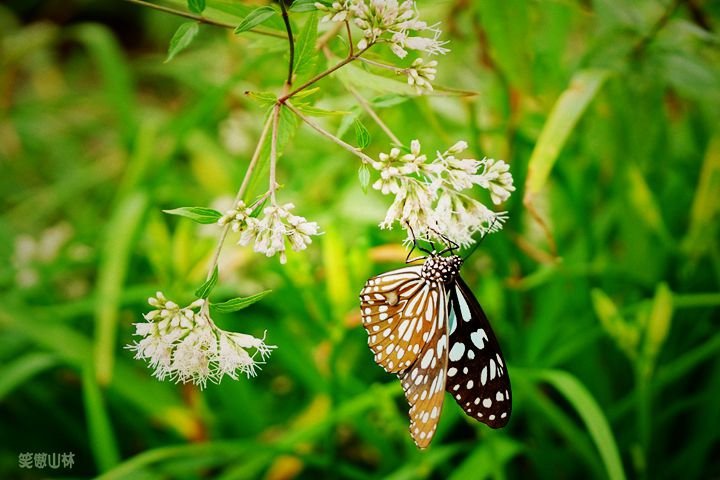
[(476, 377)]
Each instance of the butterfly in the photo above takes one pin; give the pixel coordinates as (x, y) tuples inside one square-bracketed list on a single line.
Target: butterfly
[(425, 325)]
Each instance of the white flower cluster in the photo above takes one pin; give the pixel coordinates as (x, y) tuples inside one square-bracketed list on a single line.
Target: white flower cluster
[(185, 345), (428, 194), (387, 21), (236, 217), (421, 74), (270, 233)]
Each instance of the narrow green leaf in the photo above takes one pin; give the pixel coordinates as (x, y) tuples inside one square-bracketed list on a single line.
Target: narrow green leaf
[(183, 37), (196, 6), (564, 116), (102, 440), (592, 416), (658, 324), (646, 206), (239, 303), (266, 99), (705, 205), (258, 208), (305, 51), (206, 288), (362, 135), (196, 214), (255, 18), (116, 250), (625, 335), (17, 372), (316, 111), (300, 6), (364, 177), (305, 93)]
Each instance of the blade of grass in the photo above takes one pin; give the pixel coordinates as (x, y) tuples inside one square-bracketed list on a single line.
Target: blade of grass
[(102, 441), (117, 247), (14, 374), (565, 114), (591, 414)]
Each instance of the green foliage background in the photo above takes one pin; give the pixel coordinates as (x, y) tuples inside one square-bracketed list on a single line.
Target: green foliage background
[(608, 113)]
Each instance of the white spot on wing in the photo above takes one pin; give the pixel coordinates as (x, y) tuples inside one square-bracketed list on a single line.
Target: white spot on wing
[(478, 338), (457, 350)]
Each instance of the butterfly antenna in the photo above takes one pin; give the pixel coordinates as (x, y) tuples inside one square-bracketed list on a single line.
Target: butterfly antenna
[(415, 245), (450, 244), (475, 247)]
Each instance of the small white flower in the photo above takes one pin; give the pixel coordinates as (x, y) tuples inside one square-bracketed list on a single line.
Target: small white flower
[(236, 217), (396, 23), (185, 345), (421, 74), (428, 195), (337, 12), (497, 178), (269, 233)]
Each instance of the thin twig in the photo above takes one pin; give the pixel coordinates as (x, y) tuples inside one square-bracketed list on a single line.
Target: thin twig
[(350, 39), (273, 150), (200, 18), (397, 70), (322, 75), (240, 193), (369, 110), (354, 150)]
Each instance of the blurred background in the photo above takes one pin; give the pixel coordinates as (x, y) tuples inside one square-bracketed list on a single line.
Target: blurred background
[(603, 287)]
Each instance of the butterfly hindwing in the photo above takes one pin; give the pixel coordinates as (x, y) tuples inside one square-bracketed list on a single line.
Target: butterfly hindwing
[(477, 377), (397, 309), (424, 381)]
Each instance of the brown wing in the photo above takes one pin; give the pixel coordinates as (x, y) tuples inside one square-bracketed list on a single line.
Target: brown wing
[(398, 309), (424, 381)]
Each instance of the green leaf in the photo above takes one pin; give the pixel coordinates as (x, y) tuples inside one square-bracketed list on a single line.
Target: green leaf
[(305, 52), (361, 134), (659, 322), (300, 6), (317, 111), (364, 177), (206, 288), (564, 116), (255, 18), (238, 303), (196, 214), (266, 99), (592, 416), (183, 37), (16, 373), (196, 6)]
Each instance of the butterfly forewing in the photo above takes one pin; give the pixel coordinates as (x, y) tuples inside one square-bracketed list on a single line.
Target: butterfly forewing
[(476, 376), (424, 381), (398, 309)]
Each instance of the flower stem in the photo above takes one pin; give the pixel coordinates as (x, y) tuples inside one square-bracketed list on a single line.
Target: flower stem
[(291, 41), (273, 150), (354, 150), (369, 110), (199, 18), (240, 193)]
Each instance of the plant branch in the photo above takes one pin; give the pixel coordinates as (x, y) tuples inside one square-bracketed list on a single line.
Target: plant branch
[(291, 41), (240, 194), (354, 150), (273, 150), (322, 75), (369, 110), (200, 18)]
